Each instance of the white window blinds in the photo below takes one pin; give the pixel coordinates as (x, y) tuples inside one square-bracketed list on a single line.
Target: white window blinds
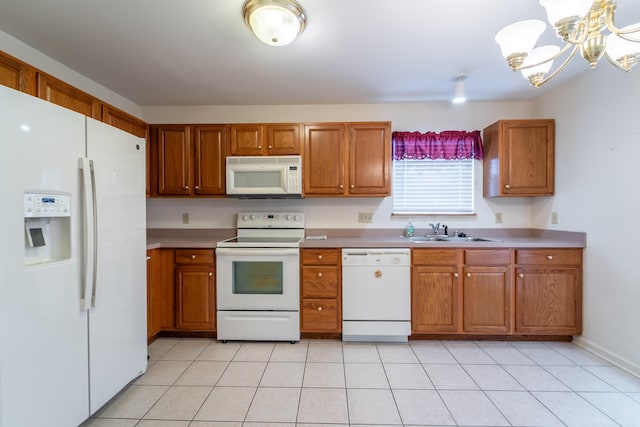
[(426, 186)]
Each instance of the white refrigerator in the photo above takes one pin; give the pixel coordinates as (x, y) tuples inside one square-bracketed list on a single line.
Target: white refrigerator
[(72, 263)]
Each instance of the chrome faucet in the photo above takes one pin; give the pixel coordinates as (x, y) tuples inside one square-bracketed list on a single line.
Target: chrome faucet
[(435, 227)]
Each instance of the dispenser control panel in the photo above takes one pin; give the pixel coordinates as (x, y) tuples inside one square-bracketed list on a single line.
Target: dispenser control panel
[(39, 205)]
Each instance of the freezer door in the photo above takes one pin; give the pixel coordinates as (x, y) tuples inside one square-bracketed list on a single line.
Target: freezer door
[(43, 331), (117, 317)]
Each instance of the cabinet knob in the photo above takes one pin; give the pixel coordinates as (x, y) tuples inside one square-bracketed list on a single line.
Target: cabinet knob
[(353, 186), (193, 257), (260, 147), (520, 275), (319, 308), (186, 187), (341, 186), (549, 257), (468, 274), (455, 274), (320, 274), (197, 187), (210, 273), (507, 186), (270, 147), (319, 256)]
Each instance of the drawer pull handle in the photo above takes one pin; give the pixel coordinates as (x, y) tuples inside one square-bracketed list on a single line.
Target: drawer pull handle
[(455, 274), (210, 274), (320, 274), (378, 274), (193, 257), (520, 275), (507, 186), (468, 274), (319, 308), (319, 256), (549, 257)]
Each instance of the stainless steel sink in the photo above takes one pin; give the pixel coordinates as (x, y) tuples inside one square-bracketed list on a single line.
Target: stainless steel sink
[(442, 238)]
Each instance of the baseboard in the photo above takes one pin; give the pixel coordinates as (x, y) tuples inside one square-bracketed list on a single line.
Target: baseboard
[(613, 358)]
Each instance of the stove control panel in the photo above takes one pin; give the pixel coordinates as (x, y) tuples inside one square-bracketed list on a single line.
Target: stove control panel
[(270, 220)]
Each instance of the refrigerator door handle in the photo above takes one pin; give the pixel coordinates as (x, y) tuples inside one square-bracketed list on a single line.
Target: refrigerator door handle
[(88, 267), (95, 235)]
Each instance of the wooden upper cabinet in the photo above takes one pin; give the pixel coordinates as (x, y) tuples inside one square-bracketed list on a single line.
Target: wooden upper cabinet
[(210, 144), (172, 144), (370, 159), (124, 121), (519, 158), (17, 75), (324, 159), (65, 95), (283, 139), (264, 139)]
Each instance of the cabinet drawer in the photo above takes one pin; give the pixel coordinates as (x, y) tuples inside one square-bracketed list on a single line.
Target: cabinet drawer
[(320, 256), (194, 256), (435, 256), (487, 257), (549, 257), (320, 282), (320, 315)]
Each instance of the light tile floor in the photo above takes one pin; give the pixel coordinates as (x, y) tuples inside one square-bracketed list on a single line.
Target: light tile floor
[(204, 383)]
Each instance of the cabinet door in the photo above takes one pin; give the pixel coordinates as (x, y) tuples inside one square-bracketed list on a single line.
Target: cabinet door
[(123, 121), (549, 301), (65, 95), (435, 299), (154, 292), (246, 140), (17, 75), (283, 139), (370, 159), (324, 160), (529, 157), (174, 160), (210, 153), (195, 298), (487, 300)]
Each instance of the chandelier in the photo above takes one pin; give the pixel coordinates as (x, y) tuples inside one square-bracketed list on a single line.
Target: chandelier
[(580, 24), (274, 22)]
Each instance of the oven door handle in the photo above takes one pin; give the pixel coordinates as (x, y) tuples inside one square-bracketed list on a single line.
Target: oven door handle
[(257, 251)]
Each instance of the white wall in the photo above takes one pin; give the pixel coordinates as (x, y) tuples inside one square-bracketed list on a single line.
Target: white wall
[(597, 178), (343, 212)]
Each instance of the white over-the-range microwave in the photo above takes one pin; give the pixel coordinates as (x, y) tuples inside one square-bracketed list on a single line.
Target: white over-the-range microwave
[(264, 176)]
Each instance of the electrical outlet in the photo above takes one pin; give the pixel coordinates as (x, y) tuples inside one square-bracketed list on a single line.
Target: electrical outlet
[(498, 216), (185, 218), (365, 217), (554, 217)]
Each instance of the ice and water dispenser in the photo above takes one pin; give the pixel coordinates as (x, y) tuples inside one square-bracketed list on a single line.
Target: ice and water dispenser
[(47, 227)]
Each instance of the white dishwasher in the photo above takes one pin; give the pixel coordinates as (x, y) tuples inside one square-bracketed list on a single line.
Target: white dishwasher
[(376, 294)]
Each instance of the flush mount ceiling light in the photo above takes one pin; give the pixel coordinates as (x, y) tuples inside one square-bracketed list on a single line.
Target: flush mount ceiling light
[(580, 24), (459, 92), (274, 22)]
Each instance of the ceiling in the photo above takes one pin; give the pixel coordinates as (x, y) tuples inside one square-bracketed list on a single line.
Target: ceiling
[(199, 52)]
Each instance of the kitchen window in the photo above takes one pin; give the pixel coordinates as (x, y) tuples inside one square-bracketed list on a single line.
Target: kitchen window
[(433, 173)]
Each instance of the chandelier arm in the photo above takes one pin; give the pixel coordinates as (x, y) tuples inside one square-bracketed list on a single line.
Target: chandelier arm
[(561, 67), (616, 63), (581, 35), (626, 37), (557, 55)]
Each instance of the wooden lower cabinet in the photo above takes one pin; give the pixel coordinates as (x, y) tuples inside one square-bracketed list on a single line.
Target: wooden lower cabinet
[(549, 291), (435, 291), (487, 291), (320, 291), (160, 291), (195, 290)]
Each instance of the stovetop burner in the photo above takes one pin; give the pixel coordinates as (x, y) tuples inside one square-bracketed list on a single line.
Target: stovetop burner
[(267, 230)]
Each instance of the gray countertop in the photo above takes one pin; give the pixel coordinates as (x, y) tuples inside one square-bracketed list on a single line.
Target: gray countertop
[(370, 238)]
